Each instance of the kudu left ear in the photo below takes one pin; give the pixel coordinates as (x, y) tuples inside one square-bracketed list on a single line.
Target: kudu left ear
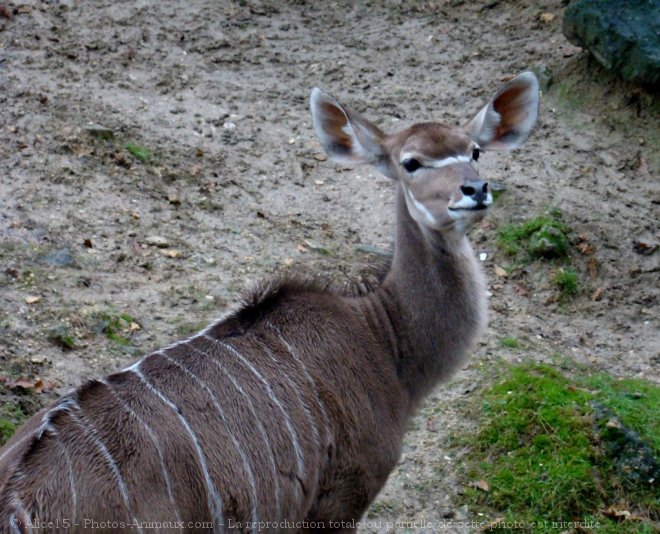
[(508, 119), (346, 136)]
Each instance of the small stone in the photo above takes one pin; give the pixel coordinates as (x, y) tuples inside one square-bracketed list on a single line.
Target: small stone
[(172, 253), (320, 157), (60, 258), (32, 299), (157, 241), (499, 271), (100, 132)]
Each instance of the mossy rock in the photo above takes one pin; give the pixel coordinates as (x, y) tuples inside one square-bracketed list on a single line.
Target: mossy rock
[(621, 34), (548, 242)]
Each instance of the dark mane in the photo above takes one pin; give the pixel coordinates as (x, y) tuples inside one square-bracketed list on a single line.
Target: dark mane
[(257, 300)]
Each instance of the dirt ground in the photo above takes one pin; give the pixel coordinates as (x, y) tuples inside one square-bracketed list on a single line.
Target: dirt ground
[(235, 186)]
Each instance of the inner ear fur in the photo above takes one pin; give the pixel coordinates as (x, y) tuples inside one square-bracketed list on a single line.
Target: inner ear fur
[(346, 136), (509, 117)]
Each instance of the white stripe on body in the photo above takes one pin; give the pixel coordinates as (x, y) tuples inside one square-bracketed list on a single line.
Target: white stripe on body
[(154, 440), (243, 395), (294, 388), (214, 501), (287, 420), (246, 464), (110, 461), (319, 402)]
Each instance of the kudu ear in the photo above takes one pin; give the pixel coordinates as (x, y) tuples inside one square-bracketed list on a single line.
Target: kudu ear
[(507, 120), (346, 136)]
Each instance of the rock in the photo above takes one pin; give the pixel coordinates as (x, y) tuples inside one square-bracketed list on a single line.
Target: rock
[(100, 132), (60, 258), (621, 34), (632, 458), (548, 242), (157, 241)]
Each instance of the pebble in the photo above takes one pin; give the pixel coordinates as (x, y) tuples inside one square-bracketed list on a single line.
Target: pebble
[(157, 241), (60, 258)]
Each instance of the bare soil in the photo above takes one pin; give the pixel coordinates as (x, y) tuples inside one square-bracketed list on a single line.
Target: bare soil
[(237, 187)]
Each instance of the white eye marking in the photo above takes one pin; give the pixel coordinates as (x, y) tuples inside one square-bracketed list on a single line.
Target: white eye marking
[(451, 160)]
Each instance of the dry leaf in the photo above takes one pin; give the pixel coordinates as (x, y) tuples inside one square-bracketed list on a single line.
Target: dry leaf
[(301, 248), (521, 290), (133, 327), (593, 267), (499, 271), (547, 17), (598, 294), (35, 385), (586, 248), (32, 299), (482, 485)]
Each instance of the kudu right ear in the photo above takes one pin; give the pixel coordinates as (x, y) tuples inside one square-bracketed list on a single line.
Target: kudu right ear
[(508, 119), (346, 136)]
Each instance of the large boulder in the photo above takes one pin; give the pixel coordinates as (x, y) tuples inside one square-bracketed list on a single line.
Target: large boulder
[(623, 35)]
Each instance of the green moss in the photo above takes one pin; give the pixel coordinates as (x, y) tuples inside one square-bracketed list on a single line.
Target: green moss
[(11, 416), (539, 450), (510, 342), (61, 335), (542, 236), (140, 152), (566, 279), (116, 327)]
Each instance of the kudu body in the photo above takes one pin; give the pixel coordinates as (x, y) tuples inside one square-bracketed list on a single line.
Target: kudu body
[(290, 411)]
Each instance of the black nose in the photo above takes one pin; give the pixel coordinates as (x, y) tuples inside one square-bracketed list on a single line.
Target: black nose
[(476, 190)]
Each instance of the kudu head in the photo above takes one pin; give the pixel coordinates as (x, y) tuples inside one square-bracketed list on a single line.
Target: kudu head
[(434, 163)]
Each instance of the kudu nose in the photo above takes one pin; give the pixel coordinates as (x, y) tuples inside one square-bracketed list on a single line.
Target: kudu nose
[(477, 190)]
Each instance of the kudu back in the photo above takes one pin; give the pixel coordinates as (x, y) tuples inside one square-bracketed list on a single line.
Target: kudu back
[(289, 412)]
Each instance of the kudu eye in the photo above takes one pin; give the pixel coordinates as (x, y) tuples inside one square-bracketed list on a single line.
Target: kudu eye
[(411, 165), (475, 154)]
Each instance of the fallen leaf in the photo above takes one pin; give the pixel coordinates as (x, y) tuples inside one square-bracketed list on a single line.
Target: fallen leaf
[(598, 294), (585, 248), (521, 289), (499, 271), (547, 17), (593, 267), (301, 248), (482, 485), (35, 385), (88, 243), (172, 253), (133, 327), (32, 299)]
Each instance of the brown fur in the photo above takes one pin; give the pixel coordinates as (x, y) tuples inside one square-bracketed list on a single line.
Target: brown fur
[(292, 407)]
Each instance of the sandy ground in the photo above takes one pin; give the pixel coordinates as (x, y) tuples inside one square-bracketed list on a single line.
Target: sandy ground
[(236, 186)]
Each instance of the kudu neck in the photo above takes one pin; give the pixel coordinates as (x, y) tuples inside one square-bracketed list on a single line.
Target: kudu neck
[(435, 297)]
